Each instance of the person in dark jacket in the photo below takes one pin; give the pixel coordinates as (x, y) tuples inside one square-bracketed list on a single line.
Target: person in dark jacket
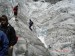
[(3, 43), (10, 32), (30, 24)]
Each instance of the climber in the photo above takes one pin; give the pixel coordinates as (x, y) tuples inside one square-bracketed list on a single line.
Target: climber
[(30, 24), (10, 32), (15, 10), (3, 43)]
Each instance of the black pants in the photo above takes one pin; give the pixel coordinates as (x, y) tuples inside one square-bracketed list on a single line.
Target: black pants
[(30, 26), (10, 51)]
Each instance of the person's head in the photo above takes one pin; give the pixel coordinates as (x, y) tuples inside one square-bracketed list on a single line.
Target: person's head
[(4, 20), (16, 6), (30, 19)]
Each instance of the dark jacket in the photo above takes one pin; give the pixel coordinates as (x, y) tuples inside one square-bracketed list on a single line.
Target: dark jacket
[(3, 43), (10, 32), (31, 22)]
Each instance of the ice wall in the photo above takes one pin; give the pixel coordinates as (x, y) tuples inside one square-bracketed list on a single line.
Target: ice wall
[(54, 22), (6, 8), (28, 44)]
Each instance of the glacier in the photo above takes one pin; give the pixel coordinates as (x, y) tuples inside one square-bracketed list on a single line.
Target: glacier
[(53, 30)]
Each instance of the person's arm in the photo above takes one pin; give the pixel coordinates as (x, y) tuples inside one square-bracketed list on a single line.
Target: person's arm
[(13, 36), (5, 43)]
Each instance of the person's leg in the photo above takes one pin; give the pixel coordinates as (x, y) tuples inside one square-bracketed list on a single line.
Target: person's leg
[(10, 51), (30, 27), (15, 14)]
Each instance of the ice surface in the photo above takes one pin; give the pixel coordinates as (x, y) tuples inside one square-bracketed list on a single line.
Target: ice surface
[(54, 25)]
